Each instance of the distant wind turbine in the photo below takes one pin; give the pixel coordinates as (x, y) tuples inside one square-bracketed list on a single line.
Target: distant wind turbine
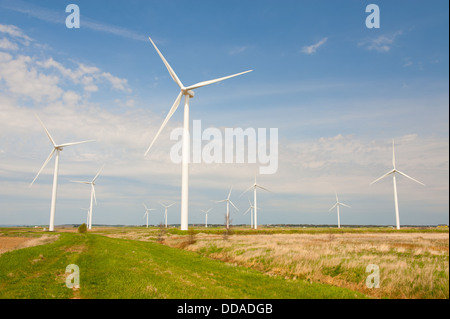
[(57, 148), (393, 171), (228, 206), (146, 212), (255, 207), (251, 209), (206, 213), (93, 197), (337, 205), (165, 209), (188, 93)]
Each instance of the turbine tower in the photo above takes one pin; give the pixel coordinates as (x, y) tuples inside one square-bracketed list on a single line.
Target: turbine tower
[(146, 212), (188, 94), (57, 148), (255, 207), (337, 205), (393, 171), (206, 213), (228, 206), (93, 197), (165, 210), (251, 209)]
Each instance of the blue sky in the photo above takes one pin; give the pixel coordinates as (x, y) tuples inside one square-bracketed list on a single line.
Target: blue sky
[(338, 92)]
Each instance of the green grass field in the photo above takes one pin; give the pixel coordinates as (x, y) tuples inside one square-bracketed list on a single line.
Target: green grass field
[(128, 269)]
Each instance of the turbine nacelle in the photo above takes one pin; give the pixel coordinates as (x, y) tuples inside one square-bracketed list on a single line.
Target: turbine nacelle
[(188, 92)]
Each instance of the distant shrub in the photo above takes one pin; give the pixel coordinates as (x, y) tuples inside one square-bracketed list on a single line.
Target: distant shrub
[(161, 233), (82, 228)]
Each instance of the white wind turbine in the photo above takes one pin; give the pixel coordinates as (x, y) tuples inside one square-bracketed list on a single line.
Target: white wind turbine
[(228, 206), (165, 209), (251, 209), (393, 171), (146, 212), (255, 207), (57, 148), (93, 197), (206, 213), (337, 205), (188, 93)]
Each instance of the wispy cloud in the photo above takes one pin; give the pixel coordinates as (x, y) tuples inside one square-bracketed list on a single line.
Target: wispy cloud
[(43, 80), (237, 50), (14, 31), (382, 43), (59, 17), (313, 48)]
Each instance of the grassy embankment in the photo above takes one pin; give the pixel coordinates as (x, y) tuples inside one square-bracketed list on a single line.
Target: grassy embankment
[(123, 268)]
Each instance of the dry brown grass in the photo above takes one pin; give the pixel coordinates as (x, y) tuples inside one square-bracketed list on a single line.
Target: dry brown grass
[(412, 265), (12, 243)]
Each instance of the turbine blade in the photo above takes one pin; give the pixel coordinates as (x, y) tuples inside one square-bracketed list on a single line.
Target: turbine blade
[(256, 185), (345, 205), (145, 206), (171, 71), (247, 190), (81, 182), (171, 205), (247, 210), (220, 201), (45, 163), (74, 143), (393, 154), (401, 173), (333, 207), (98, 173), (229, 193), (204, 83), (46, 131), (233, 204), (382, 177), (169, 115)]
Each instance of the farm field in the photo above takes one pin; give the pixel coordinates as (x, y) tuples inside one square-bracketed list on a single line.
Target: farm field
[(207, 263)]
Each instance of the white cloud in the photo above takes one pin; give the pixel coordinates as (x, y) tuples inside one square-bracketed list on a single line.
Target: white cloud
[(86, 75), (382, 43), (237, 50), (313, 48), (5, 44), (53, 16), (23, 78), (15, 32)]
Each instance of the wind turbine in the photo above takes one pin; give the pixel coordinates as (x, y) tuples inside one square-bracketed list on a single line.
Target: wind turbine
[(57, 148), (146, 212), (206, 212), (92, 183), (337, 205), (251, 209), (188, 93), (165, 207), (393, 171), (228, 206), (255, 186)]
